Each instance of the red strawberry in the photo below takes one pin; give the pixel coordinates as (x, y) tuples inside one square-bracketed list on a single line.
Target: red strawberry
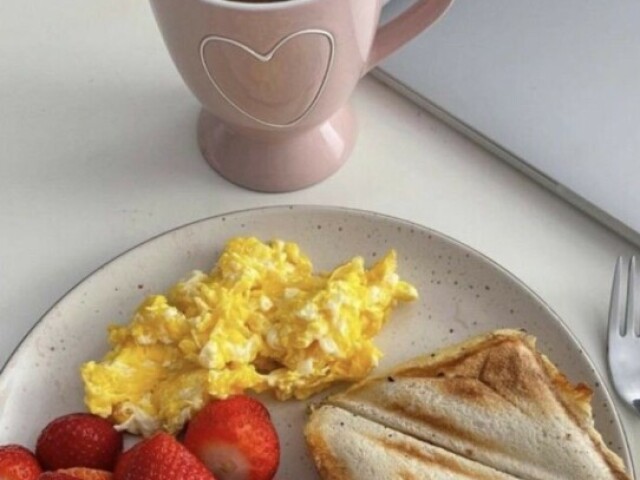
[(87, 473), (235, 439), (125, 460), (18, 463), (79, 440), (160, 457)]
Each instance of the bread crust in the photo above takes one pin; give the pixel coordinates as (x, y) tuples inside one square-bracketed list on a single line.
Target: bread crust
[(329, 466)]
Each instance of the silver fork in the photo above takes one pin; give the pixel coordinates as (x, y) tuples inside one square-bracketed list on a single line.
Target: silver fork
[(623, 343)]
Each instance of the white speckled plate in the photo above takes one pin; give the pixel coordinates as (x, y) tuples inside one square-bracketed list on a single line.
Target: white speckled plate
[(462, 293)]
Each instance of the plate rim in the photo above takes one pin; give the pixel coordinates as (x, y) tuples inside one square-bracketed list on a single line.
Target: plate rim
[(350, 210)]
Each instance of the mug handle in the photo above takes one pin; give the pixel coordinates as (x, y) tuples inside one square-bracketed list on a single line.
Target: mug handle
[(394, 34)]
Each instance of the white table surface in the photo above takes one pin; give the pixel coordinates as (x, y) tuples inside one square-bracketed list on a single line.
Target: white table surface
[(98, 153)]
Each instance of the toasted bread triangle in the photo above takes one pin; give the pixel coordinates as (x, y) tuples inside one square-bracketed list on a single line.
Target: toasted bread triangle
[(345, 446), (493, 399)]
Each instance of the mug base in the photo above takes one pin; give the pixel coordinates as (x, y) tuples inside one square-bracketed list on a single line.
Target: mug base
[(282, 163)]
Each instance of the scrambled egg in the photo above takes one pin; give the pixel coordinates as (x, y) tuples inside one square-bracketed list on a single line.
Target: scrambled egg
[(261, 320)]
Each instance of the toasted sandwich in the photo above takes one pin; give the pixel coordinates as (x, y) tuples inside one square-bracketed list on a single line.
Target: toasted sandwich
[(349, 447), (494, 400)]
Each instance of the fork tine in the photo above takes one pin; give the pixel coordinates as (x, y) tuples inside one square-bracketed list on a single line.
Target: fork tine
[(615, 307), (631, 299), (633, 320)]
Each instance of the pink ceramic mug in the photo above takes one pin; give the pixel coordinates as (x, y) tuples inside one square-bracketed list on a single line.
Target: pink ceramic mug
[(275, 79)]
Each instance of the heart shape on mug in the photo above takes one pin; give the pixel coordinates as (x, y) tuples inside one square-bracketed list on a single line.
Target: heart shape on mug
[(278, 88)]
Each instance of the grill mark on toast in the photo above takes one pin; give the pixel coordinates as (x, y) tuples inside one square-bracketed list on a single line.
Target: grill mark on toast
[(434, 458), (482, 375), (436, 367), (404, 475), (439, 423)]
